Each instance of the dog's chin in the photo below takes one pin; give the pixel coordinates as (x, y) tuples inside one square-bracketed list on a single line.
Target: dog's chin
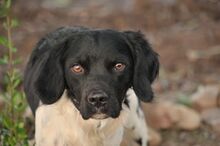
[(95, 116), (99, 116)]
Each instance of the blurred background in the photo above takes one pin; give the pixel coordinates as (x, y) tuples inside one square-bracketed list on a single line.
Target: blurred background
[(186, 35)]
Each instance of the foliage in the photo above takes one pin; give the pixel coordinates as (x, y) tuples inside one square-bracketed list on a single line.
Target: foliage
[(12, 130), (184, 100)]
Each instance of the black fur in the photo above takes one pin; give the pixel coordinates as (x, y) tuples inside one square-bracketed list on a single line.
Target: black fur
[(139, 141), (48, 71), (43, 78), (146, 66)]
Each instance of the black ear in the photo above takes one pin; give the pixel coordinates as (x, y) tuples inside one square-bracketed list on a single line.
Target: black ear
[(146, 65), (44, 77)]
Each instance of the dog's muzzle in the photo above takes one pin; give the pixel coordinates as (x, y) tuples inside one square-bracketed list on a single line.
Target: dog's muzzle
[(98, 100)]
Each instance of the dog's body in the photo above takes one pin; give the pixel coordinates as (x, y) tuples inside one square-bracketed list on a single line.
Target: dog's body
[(50, 130), (82, 84)]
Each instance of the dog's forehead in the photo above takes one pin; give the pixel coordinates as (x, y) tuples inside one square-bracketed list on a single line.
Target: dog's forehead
[(99, 44)]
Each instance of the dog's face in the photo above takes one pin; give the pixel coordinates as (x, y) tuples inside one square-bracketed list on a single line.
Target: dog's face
[(96, 67), (98, 72)]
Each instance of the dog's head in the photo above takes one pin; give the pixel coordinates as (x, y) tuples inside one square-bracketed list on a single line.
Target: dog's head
[(95, 67)]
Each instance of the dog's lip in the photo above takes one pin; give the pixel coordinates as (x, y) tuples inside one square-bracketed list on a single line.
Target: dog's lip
[(99, 116)]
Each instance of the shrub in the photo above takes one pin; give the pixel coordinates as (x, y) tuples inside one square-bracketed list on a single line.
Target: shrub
[(12, 126)]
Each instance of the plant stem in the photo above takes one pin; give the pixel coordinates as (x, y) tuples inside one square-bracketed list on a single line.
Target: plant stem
[(9, 40), (10, 65)]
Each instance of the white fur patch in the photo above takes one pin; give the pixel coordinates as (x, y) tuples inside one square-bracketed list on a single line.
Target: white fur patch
[(60, 124), (136, 120)]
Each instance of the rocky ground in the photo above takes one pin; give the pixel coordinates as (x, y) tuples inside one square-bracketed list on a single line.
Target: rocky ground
[(186, 34)]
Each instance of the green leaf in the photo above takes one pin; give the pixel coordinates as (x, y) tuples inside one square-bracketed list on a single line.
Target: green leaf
[(5, 8), (16, 95), (4, 60), (6, 79), (8, 3), (7, 122), (3, 12), (20, 107), (21, 125), (16, 83), (17, 61), (14, 50), (16, 75), (184, 100), (5, 97), (5, 25), (14, 23), (3, 41)]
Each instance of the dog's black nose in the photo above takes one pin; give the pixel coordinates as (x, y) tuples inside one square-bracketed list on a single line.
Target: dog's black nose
[(98, 99)]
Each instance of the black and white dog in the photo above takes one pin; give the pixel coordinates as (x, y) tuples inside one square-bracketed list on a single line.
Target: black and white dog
[(82, 85)]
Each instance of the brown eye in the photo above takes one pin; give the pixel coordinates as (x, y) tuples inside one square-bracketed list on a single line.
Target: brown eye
[(119, 67), (78, 69)]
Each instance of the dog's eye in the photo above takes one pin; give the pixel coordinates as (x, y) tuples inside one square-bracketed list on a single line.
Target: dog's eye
[(78, 69), (119, 67)]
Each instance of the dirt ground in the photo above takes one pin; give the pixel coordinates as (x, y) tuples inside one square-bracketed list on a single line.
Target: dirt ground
[(174, 28)]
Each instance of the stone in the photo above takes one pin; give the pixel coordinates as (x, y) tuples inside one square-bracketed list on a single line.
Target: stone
[(161, 115), (212, 118), (154, 137), (206, 97), (189, 119), (165, 115)]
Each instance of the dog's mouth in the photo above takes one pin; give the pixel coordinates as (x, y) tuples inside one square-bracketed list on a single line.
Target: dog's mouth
[(99, 116), (89, 111)]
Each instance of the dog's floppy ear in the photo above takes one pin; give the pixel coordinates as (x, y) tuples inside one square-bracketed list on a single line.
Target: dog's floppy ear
[(146, 65), (44, 77)]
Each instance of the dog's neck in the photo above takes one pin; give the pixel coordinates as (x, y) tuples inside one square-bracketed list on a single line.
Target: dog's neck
[(63, 121)]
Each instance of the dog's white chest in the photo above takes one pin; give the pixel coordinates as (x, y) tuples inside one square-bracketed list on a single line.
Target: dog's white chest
[(60, 124)]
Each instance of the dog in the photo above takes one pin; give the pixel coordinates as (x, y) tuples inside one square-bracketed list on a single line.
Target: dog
[(84, 86)]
